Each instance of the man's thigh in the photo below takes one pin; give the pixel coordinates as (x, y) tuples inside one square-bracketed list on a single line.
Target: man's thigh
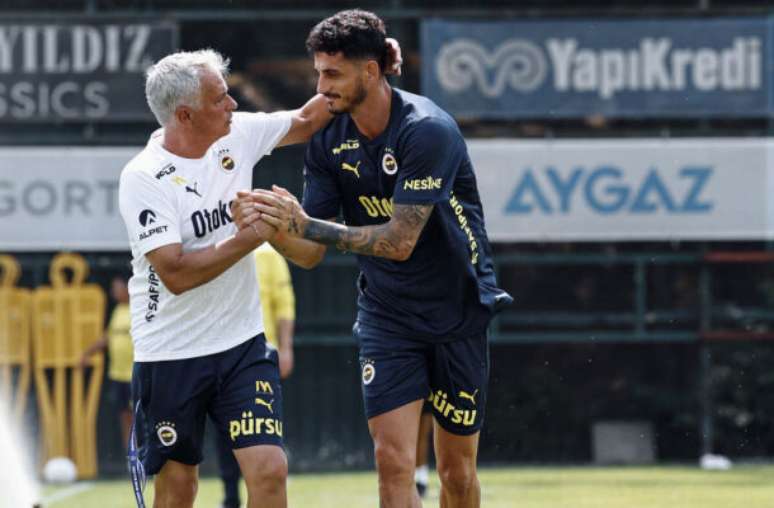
[(172, 398), (459, 380), (396, 431), (247, 409), (394, 372)]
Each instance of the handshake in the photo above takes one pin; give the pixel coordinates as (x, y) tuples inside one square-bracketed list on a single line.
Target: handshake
[(269, 212)]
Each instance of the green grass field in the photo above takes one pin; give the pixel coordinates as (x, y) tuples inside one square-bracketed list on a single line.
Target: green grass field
[(581, 487)]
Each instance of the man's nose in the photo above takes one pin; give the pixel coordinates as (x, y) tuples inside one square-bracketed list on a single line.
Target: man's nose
[(322, 85)]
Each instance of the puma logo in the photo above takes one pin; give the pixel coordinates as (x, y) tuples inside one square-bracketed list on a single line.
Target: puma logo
[(349, 167), (193, 189), (469, 396), (262, 402)]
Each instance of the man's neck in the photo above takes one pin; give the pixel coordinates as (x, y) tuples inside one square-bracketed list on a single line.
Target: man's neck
[(176, 143), (373, 114)]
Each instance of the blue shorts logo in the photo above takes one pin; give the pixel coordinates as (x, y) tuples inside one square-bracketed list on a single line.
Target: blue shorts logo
[(469, 396), (166, 433), (369, 372)]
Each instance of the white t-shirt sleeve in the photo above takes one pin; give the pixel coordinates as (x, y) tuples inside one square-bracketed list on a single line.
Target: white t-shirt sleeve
[(148, 212), (264, 130)]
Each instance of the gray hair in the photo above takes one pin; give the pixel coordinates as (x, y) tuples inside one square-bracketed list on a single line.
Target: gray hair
[(175, 80)]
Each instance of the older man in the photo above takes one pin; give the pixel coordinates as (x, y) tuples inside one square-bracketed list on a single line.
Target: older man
[(196, 321)]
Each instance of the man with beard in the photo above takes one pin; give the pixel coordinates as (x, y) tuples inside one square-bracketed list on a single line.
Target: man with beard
[(397, 166)]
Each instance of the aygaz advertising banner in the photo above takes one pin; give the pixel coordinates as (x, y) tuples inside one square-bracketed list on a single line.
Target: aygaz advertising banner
[(626, 190)]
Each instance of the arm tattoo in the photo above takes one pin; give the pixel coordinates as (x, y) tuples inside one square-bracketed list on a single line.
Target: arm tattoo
[(293, 226), (394, 239)]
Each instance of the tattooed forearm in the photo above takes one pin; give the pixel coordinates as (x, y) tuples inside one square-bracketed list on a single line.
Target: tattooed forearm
[(414, 216), (355, 239), (393, 240), (294, 226)]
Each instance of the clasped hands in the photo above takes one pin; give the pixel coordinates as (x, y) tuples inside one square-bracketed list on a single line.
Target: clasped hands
[(269, 212)]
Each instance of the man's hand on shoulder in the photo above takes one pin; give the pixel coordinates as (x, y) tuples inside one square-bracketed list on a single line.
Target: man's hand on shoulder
[(394, 57)]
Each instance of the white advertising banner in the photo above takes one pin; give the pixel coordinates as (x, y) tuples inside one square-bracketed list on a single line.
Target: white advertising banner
[(626, 190), (533, 191), (55, 199)]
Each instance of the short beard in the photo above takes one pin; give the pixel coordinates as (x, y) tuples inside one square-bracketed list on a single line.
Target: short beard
[(357, 99)]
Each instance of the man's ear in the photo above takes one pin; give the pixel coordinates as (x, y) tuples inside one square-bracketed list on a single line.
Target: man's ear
[(183, 114), (373, 72)]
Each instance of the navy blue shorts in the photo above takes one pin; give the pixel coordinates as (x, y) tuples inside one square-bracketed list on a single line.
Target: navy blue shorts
[(451, 376), (239, 389)]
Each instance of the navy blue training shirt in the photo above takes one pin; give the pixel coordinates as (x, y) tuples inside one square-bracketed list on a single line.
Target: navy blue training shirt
[(446, 290)]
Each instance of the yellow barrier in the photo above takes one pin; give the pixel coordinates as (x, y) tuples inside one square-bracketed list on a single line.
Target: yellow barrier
[(68, 318), (15, 358)]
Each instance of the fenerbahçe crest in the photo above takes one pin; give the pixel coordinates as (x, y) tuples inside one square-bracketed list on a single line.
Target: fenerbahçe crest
[(389, 162), (227, 163), (166, 433), (369, 372)]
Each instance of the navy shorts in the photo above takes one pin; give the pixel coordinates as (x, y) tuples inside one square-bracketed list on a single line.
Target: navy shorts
[(451, 376), (239, 389)]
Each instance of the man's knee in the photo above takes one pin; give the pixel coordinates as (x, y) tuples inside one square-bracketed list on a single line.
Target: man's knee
[(393, 460), (458, 477), (269, 474), (177, 486)]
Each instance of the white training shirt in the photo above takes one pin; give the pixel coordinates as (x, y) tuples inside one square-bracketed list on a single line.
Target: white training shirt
[(166, 199)]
